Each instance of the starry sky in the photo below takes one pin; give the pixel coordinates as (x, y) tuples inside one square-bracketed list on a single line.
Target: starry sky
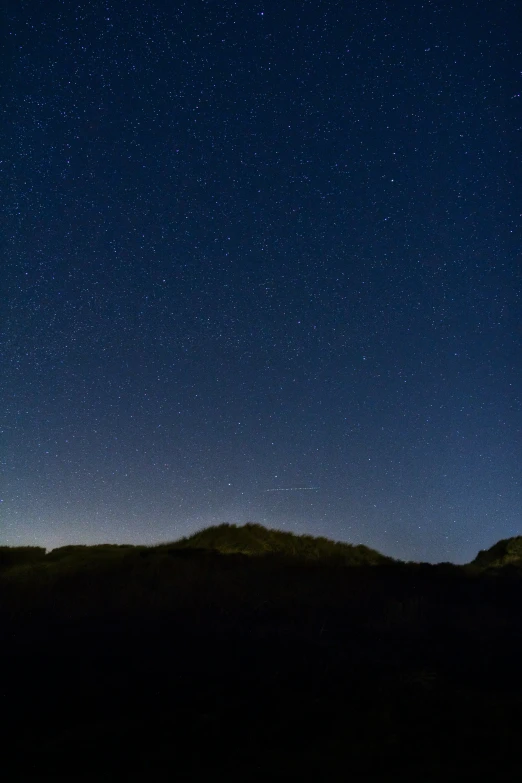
[(262, 265)]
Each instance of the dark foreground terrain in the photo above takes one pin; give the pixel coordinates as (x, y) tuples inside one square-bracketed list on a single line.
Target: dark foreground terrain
[(253, 661)]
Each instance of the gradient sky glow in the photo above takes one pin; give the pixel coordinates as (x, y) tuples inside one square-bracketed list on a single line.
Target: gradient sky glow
[(256, 246)]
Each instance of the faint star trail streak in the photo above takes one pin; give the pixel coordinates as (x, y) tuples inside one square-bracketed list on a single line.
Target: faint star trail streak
[(291, 489)]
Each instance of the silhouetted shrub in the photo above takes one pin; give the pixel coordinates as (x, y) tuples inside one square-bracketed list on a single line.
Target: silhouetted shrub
[(20, 555), (82, 551)]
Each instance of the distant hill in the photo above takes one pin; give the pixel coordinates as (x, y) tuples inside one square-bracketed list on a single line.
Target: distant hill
[(20, 555), (505, 552), (254, 539), (251, 539), (79, 552), (226, 539)]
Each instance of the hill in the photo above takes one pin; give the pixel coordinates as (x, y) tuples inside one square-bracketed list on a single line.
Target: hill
[(254, 539), (507, 552), (215, 566), (20, 555), (226, 539), (251, 539), (265, 648)]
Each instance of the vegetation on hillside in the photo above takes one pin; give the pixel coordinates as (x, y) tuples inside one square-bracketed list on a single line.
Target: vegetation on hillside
[(254, 539), (507, 552), (269, 650), (223, 566), (20, 555)]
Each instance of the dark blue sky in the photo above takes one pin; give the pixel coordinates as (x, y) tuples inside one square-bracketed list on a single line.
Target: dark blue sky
[(255, 247)]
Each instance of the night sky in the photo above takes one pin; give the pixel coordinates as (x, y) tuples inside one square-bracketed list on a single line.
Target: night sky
[(262, 246)]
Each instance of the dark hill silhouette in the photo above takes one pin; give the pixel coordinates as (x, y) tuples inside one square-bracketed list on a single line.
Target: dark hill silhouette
[(77, 552), (249, 540), (271, 651), (20, 555), (254, 539), (507, 552)]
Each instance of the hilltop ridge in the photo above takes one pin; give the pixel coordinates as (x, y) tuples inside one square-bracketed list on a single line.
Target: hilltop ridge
[(506, 552), (250, 539), (255, 539), (263, 636)]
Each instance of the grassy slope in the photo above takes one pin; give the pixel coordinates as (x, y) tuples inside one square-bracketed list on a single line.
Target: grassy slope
[(221, 566), (253, 539), (137, 658), (505, 552), (250, 539)]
